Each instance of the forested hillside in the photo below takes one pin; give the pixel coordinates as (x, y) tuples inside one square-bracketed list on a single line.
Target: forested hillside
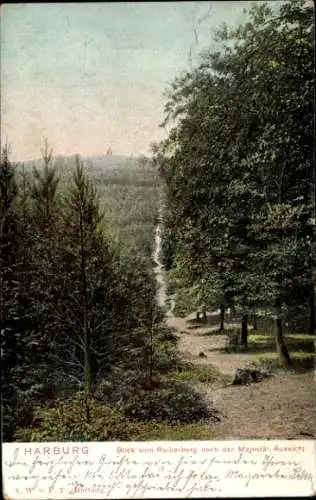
[(85, 353), (101, 333), (240, 178)]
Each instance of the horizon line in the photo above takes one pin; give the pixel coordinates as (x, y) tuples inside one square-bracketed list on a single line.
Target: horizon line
[(86, 157)]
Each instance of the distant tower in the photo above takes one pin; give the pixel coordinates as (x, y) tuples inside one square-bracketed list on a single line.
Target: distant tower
[(109, 151)]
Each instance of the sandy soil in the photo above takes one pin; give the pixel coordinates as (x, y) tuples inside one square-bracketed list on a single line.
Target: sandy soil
[(280, 407), (193, 341)]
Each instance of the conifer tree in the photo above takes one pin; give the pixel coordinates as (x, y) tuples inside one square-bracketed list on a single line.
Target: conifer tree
[(9, 286), (84, 253)]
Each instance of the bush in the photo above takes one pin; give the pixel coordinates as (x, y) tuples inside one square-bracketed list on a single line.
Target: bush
[(200, 373), (126, 381), (166, 355), (121, 386), (72, 419), (175, 403), (67, 421)]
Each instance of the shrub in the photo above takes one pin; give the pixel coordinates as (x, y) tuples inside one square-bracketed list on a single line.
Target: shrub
[(67, 421), (200, 373), (175, 403), (121, 386), (72, 419)]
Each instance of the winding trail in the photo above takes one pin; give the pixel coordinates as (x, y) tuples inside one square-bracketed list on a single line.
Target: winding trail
[(195, 340), (159, 268), (280, 407)]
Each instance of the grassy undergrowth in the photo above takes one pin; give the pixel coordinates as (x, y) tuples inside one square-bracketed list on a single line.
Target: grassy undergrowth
[(205, 374), (132, 404), (261, 338), (149, 431), (295, 356), (76, 419)]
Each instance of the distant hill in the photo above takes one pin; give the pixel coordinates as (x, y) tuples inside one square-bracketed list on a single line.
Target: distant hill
[(114, 169), (98, 162)]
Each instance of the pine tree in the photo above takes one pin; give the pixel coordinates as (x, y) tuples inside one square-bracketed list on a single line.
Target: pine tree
[(9, 318), (84, 254)]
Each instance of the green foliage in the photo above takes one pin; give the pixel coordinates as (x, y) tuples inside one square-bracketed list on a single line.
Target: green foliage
[(129, 197), (237, 166), (83, 302), (184, 304), (9, 304), (183, 432), (127, 404), (43, 192), (301, 361), (304, 338), (66, 422), (209, 374), (174, 403), (90, 305)]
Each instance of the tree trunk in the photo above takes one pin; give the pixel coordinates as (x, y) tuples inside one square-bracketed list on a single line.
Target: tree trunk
[(222, 317), (203, 316), (244, 330), (87, 408), (87, 363), (86, 336), (151, 357), (282, 351), (254, 322), (312, 319)]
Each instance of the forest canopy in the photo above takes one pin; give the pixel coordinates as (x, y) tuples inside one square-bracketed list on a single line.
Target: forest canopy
[(239, 173)]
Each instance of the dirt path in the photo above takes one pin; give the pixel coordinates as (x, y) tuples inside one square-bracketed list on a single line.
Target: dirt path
[(280, 407), (193, 341)]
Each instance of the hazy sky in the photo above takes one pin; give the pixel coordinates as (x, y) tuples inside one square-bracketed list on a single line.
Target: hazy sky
[(90, 75)]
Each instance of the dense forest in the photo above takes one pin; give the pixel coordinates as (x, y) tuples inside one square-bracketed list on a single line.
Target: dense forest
[(87, 353), (239, 174)]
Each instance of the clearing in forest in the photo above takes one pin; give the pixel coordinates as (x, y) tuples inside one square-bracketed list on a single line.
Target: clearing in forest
[(282, 406)]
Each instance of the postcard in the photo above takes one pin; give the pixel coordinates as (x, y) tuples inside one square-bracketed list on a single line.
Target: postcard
[(157, 249), (159, 469)]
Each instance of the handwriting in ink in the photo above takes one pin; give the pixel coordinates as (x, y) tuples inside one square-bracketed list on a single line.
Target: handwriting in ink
[(137, 476)]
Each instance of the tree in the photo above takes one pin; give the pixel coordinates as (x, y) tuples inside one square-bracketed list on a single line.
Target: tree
[(238, 162), (81, 218), (8, 305)]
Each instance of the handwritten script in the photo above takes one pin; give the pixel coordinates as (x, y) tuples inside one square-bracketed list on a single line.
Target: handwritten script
[(158, 469)]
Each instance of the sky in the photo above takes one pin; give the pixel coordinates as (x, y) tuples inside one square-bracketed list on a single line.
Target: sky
[(87, 76)]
